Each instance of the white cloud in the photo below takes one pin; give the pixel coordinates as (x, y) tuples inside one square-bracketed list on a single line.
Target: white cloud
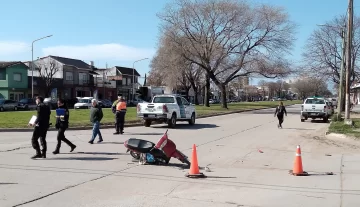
[(100, 52), (13, 48)]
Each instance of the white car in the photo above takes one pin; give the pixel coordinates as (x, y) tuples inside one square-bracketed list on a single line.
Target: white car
[(84, 103), (315, 108), (168, 109)]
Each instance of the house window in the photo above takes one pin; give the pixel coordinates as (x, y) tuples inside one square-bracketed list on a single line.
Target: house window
[(129, 81), (17, 77), (69, 76), (83, 78), (2, 75), (124, 81)]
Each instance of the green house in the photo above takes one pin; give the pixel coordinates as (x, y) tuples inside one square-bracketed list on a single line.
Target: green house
[(13, 80)]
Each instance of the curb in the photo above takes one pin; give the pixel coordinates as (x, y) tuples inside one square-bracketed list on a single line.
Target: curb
[(132, 123)]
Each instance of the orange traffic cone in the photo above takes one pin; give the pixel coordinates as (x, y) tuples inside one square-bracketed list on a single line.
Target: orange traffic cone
[(194, 167), (298, 167)]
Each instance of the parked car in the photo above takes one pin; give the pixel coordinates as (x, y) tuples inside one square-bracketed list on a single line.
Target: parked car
[(51, 103), (168, 109), (27, 104), (8, 105), (105, 103), (84, 103), (315, 107)]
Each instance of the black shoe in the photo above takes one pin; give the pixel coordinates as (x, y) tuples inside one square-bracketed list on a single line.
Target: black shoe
[(122, 132), (43, 155), (36, 156), (100, 141), (116, 133), (91, 142), (72, 148), (56, 152)]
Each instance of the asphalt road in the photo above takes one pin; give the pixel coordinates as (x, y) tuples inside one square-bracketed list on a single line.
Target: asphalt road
[(103, 175)]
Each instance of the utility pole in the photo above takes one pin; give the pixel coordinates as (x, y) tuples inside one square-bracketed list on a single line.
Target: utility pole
[(104, 80), (341, 85), (348, 61)]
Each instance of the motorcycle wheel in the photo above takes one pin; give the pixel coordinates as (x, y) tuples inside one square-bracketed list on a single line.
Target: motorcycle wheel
[(135, 155)]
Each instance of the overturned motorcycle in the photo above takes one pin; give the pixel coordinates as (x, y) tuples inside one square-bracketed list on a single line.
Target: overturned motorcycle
[(149, 152)]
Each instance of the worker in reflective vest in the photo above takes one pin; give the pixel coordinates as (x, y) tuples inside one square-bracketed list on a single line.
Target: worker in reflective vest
[(120, 116)]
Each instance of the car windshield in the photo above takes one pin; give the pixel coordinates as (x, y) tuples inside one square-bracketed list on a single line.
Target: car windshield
[(164, 99), (84, 101), (23, 100), (315, 101)]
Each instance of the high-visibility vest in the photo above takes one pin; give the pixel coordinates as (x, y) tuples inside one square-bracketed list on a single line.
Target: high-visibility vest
[(121, 106)]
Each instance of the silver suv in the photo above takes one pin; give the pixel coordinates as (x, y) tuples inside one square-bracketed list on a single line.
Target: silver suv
[(8, 105)]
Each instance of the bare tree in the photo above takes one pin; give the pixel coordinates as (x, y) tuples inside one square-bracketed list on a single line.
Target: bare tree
[(311, 86), (229, 38), (47, 69), (323, 53), (170, 68)]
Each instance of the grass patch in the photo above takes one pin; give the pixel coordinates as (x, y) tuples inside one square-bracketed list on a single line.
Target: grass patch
[(81, 117), (340, 128)]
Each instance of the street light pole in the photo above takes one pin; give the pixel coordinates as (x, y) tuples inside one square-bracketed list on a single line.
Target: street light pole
[(133, 82), (341, 85), (32, 64)]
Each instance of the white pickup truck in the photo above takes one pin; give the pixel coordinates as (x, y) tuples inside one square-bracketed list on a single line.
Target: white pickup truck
[(314, 107), (168, 109)]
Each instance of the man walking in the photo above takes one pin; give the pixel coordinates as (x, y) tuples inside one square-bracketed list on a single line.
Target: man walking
[(62, 123), (279, 112), (96, 115), (120, 115), (41, 124)]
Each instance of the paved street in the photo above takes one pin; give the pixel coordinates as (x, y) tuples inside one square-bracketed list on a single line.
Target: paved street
[(103, 175)]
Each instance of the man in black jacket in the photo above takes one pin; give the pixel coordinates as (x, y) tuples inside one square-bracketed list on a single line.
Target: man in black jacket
[(41, 124), (62, 123)]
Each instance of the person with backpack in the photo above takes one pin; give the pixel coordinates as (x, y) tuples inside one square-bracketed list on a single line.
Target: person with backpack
[(96, 115), (279, 112)]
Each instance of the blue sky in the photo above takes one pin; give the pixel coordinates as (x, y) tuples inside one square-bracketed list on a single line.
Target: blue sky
[(118, 32)]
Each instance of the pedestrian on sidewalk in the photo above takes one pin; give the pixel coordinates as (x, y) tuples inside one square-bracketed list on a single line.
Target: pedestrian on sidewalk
[(96, 115), (41, 126), (62, 123), (279, 112), (120, 115)]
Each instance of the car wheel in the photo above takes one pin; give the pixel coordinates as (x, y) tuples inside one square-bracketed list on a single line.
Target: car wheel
[(192, 120), (172, 121), (147, 123), (1, 109), (26, 108), (15, 108)]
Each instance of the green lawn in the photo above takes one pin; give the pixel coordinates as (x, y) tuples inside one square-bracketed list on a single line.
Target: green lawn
[(340, 128), (81, 117)]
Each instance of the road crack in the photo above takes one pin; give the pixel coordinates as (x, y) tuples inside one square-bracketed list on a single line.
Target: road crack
[(15, 149)]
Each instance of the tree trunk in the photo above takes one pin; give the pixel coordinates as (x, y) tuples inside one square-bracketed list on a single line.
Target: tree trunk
[(207, 91), (196, 93), (222, 87)]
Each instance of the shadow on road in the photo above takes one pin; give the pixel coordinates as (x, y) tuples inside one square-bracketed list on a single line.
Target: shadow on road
[(319, 121), (83, 158), (191, 127), (111, 142), (9, 183), (299, 129), (94, 153), (145, 133)]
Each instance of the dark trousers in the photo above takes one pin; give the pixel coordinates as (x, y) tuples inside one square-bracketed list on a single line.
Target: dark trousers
[(120, 120), (39, 133), (61, 137), (280, 118)]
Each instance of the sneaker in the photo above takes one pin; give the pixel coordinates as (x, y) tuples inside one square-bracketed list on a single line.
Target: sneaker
[(56, 152), (91, 142), (122, 132), (72, 148), (43, 156), (116, 133), (100, 141), (36, 156)]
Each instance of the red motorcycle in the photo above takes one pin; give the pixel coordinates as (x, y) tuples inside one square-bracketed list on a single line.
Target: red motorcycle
[(149, 152)]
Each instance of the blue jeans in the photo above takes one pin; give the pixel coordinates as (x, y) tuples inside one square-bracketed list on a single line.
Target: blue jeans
[(96, 131)]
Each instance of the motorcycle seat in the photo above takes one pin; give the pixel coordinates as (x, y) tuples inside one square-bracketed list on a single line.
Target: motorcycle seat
[(140, 145)]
